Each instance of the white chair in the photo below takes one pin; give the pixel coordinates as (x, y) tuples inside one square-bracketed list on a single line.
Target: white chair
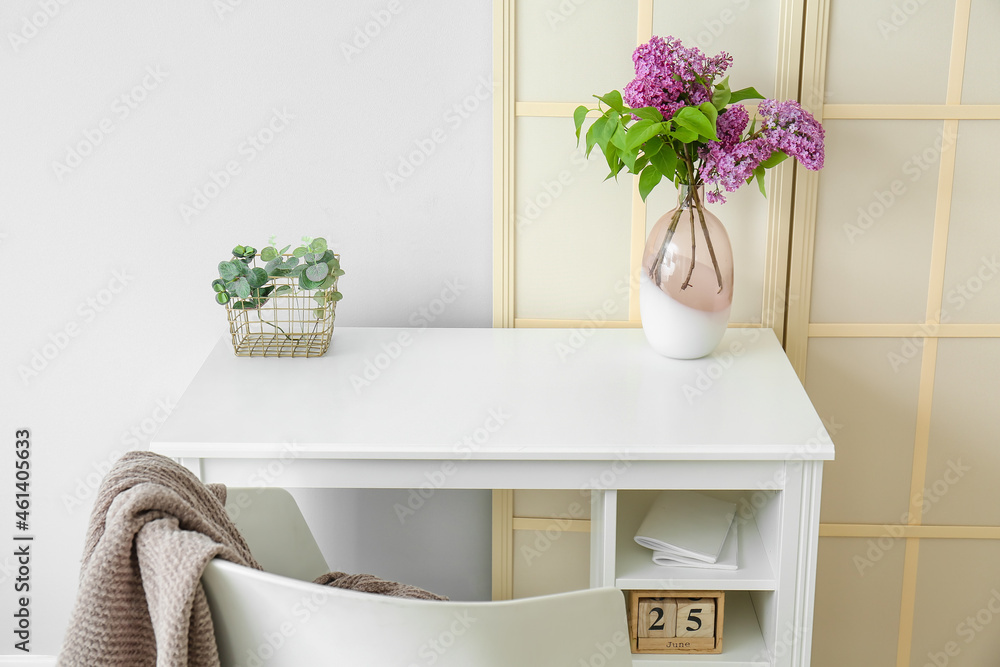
[(267, 619)]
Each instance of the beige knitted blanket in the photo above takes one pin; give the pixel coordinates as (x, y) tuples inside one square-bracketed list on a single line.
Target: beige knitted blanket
[(153, 529)]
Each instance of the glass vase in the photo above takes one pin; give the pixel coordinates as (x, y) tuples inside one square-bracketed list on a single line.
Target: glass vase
[(686, 280)]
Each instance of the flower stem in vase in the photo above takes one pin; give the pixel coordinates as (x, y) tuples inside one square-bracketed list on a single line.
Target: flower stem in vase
[(658, 264), (708, 239), (687, 280)]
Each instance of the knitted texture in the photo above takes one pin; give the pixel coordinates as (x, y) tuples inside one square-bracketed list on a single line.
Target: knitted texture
[(153, 529)]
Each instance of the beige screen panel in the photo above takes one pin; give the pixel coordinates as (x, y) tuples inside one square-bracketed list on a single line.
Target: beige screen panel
[(745, 29), (881, 54), (963, 456), (570, 503), (568, 51), (949, 594), (980, 86), (875, 221), (871, 409), (972, 275), (550, 561), (857, 606), (572, 239)]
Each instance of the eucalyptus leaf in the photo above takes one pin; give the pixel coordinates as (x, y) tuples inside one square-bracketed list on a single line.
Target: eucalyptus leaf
[(243, 267), (244, 305), (257, 277), (290, 263), (222, 298), (336, 296), (228, 271), (282, 288), (318, 246), (337, 273), (219, 285), (327, 256), (306, 283), (309, 258), (299, 252), (297, 271), (273, 265), (268, 254), (317, 272), (320, 298), (284, 250), (319, 313), (242, 288)]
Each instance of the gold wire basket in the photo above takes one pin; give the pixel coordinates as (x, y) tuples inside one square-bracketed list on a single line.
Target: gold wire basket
[(292, 323)]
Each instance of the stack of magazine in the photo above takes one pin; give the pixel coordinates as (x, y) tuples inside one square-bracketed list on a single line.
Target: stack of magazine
[(691, 529)]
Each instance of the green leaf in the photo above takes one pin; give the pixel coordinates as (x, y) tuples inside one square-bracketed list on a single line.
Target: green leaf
[(305, 283), (745, 94), (243, 267), (300, 251), (613, 100), (665, 160), (693, 119), (653, 146), (290, 263), (640, 164), (238, 251), (611, 156), (629, 158), (282, 288), (758, 173), (606, 131), (578, 117), (244, 305), (265, 291), (648, 180), (268, 253), (684, 135), (317, 272), (273, 265), (320, 298), (284, 250), (242, 288), (637, 137), (319, 313), (592, 132), (336, 296), (722, 94), (337, 273), (710, 112), (327, 256), (257, 277), (228, 271), (648, 113), (249, 252), (222, 298), (219, 285), (318, 245), (309, 258), (777, 157), (618, 137), (297, 271)]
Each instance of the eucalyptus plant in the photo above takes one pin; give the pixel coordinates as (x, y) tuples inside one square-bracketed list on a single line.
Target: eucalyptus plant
[(313, 264)]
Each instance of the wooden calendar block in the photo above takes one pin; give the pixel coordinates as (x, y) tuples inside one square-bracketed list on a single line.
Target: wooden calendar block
[(695, 617), (657, 617), (702, 612)]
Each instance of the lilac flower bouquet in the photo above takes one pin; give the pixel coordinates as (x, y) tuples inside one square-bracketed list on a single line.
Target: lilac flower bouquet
[(682, 122)]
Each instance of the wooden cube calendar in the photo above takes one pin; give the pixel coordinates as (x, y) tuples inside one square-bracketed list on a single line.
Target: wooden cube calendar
[(687, 622)]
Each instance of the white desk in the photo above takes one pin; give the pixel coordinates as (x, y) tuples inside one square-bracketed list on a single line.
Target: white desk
[(544, 409)]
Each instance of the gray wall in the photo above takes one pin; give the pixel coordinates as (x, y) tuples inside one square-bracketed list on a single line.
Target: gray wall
[(108, 274)]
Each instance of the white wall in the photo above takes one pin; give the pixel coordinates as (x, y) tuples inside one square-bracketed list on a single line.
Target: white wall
[(345, 119)]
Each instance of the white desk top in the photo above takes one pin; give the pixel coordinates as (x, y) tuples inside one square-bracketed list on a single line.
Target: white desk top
[(561, 395)]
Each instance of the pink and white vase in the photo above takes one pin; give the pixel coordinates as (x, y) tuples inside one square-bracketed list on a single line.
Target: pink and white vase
[(686, 281)]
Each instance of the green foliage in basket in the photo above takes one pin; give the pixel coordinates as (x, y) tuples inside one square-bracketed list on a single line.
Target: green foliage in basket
[(314, 265)]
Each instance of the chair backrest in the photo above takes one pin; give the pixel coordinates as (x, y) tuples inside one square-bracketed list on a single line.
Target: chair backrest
[(265, 619), (276, 532)]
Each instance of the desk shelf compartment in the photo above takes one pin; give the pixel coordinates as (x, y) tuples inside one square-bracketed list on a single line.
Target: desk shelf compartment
[(634, 568)]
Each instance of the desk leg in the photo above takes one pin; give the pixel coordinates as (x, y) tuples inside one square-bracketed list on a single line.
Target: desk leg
[(503, 544), (194, 465)]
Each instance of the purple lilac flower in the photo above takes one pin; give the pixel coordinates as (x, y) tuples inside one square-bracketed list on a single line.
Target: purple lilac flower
[(786, 127), (794, 131), (730, 166), (731, 123), (669, 76)]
